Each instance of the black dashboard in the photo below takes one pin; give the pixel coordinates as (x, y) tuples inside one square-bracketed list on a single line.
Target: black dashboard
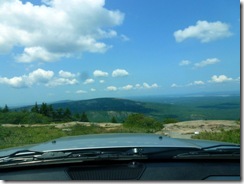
[(128, 170)]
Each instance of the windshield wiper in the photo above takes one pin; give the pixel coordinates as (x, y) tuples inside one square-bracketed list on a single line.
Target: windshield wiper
[(224, 151), (19, 155), (28, 156)]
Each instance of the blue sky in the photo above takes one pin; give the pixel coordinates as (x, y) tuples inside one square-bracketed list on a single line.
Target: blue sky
[(54, 50)]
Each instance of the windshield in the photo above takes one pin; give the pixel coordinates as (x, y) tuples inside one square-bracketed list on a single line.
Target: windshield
[(85, 67)]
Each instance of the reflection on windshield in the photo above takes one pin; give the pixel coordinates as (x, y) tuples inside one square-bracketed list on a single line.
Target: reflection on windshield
[(78, 67)]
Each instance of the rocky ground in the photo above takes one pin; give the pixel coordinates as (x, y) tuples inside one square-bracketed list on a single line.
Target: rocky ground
[(176, 130), (186, 129)]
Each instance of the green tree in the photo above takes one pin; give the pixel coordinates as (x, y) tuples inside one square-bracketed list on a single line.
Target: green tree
[(67, 114), (5, 109), (113, 120), (59, 114), (35, 108), (50, 111), (44, 109), (77, 116), (84, 117)]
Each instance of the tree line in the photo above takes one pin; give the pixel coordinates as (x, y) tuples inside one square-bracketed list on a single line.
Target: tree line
[(40, 114)]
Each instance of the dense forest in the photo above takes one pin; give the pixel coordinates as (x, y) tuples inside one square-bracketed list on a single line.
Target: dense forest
[(117, 110), (43, 113), (134, 116)]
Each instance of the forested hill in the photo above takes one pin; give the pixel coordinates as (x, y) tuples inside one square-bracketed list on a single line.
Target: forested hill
[(104, 104), (181, 108)]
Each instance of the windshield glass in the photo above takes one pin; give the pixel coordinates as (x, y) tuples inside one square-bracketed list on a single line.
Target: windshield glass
[(81, 67)]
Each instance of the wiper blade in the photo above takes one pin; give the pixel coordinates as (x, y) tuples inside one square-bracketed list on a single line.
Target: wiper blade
[(225, 151), (223, 147), (27, 156), (19, 155)]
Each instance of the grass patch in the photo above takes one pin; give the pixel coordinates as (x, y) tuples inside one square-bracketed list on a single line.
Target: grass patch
[(232, 136)]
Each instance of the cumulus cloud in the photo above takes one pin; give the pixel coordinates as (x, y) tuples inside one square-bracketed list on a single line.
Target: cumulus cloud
[(220, 79), (65, 74), (112, 88), (206, 62), (138, 86), (36, 77), (120, 73), (61, 81), (56, 28), (37, 54), (99, 73), (147, 86), (237, 79), (204, 31), (80, 92), (184, 63), (198, 82), (40, 76), (195, 83), (127, 87), (89, 81), (175, 85)]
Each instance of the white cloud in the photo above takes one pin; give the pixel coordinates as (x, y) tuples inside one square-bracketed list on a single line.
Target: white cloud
[(61, 81), (184, 63), (99, 73), (80, 92), (147, 86), (175, 85), (56, 28), (40, 76), (65, 74), (16, 82), (89, 81), (195, 83), (36, 77), (120, 73), (206, 62), (198, 82), (112, 88), (102, 81), (220, 79), (204, 31), (138, 86), (237, 79), (93, 89), (127, 87), (37, 53)]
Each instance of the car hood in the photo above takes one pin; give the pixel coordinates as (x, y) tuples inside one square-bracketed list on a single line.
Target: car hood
[(96, 141)]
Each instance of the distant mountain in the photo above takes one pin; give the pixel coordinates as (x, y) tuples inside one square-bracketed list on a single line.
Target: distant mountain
[(160, 107), (103, 104)]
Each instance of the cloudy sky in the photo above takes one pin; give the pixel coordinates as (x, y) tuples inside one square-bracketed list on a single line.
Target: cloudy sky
[(54, 50)]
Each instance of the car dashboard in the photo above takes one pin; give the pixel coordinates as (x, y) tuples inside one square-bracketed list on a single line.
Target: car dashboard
[(211, 169)]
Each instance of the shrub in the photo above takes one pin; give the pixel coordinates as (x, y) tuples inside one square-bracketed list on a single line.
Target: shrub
[(143, 123), (170, 120), (232, 136)]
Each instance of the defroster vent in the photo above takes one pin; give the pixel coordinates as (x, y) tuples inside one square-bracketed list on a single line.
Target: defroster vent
[(113, 172)]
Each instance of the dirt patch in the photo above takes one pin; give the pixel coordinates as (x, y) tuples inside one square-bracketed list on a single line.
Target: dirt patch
[(183, 129), (186, 129), (66, 125)]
